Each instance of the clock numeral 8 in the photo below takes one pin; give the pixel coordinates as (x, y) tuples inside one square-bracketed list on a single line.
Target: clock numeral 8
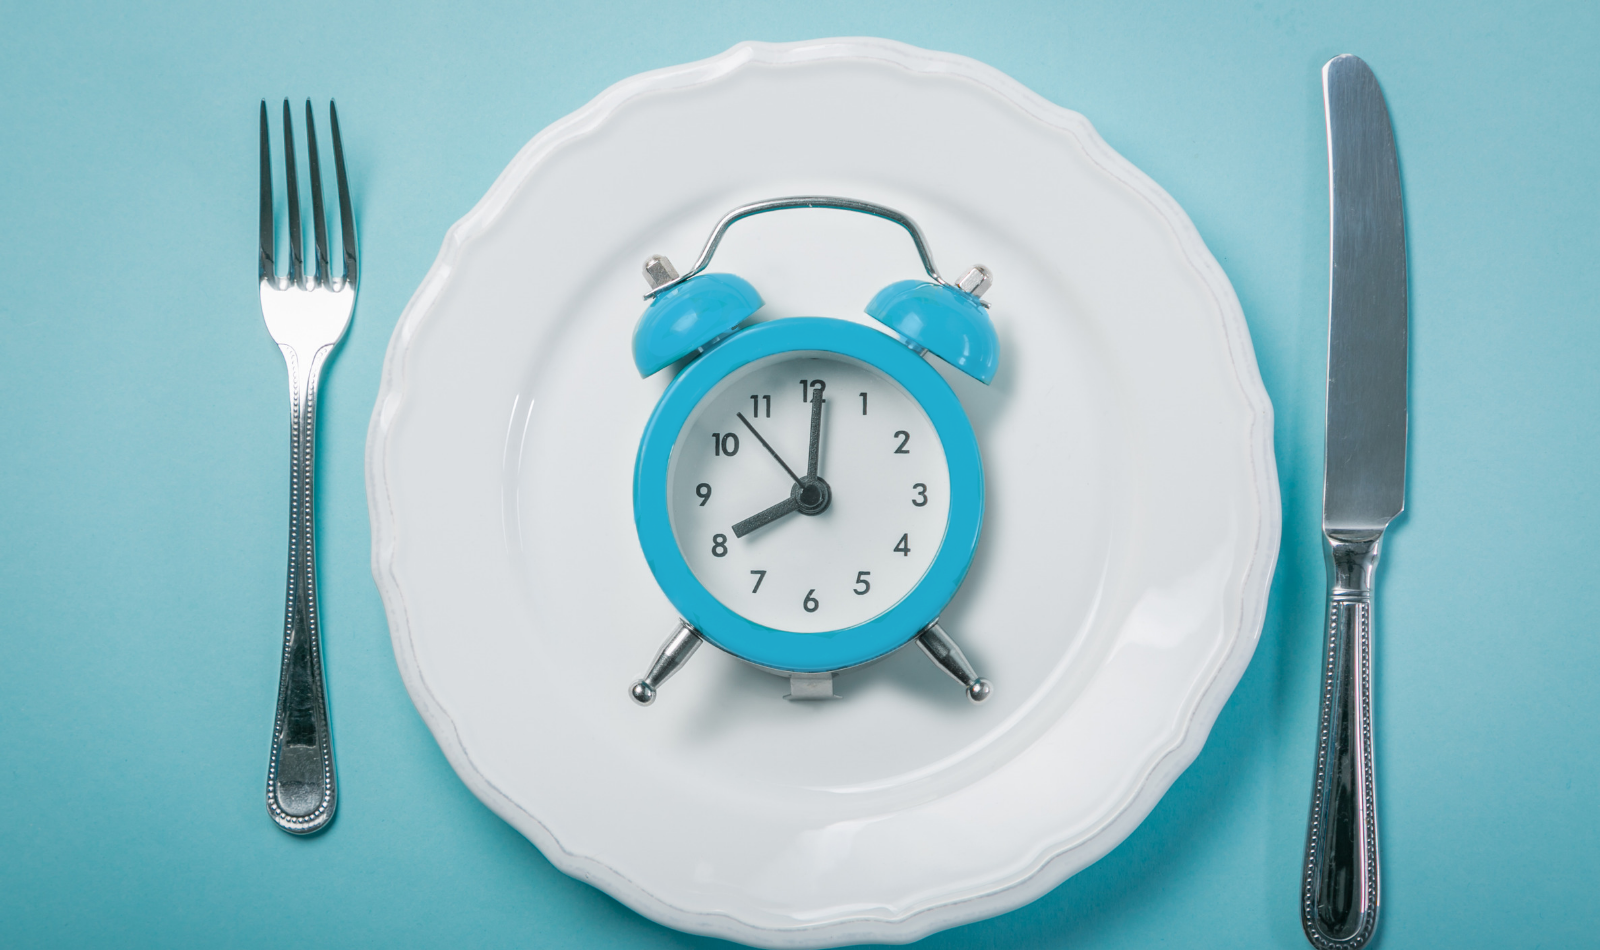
[(810, 603), (719, 545)]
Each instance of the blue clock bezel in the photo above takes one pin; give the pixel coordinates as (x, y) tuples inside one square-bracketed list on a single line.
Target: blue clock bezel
[(783, 649)]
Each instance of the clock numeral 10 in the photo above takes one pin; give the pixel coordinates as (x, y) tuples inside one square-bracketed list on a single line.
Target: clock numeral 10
[(903, 547), (725, 443)]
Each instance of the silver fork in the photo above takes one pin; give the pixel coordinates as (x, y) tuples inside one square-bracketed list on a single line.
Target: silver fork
[(307, 316)]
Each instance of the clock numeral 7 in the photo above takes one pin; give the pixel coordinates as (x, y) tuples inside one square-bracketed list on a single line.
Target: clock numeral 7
[(862, 584), (760, 576)]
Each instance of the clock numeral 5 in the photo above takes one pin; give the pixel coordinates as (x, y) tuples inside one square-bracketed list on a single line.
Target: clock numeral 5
[(862, 584)]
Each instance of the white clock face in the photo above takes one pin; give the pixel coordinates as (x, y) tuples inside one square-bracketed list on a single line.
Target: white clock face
[(796, 548)]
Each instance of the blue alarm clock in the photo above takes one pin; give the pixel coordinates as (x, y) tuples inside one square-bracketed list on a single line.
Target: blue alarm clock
[(808, 491)]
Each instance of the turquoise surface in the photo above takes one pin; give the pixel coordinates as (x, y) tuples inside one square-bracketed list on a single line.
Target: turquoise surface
[(142, 474)]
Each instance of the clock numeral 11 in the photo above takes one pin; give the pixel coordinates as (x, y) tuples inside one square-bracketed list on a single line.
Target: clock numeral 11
[(755, 406)]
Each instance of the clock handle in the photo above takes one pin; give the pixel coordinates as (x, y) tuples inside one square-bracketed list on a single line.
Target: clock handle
[(943, 651), (672, 655)]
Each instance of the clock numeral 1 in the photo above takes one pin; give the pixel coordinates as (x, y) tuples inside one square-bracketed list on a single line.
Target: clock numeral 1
[(903, 547), (760, 576), (725, 443), (862, 584), (810, 603), (863, 404), (719, 545)]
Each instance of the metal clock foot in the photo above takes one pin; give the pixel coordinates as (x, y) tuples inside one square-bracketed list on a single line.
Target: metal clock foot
[(805, 686), (943, 651), (674, 653)]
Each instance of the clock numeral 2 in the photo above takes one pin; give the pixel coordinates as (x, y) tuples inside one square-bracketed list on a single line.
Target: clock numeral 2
[(760, 576), (903, 547), (725, 443), (904, 437), (719, 545), (862, 584), (810, 603)]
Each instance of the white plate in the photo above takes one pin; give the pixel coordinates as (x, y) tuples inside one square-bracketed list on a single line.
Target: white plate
[(1116, 597)]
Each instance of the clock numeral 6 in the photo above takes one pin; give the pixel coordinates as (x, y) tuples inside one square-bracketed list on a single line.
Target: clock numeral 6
[(862, 584), (719, 545), (725, 443), (903, 547), (919, 488), (810, 603), (703, 492)]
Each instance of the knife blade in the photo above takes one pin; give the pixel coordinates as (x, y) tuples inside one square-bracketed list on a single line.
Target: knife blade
[(1363, 490)]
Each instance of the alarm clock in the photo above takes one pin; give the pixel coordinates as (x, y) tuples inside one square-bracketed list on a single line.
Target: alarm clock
[(808, 491)]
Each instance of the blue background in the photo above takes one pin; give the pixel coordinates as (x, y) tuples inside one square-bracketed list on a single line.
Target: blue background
[(143, 487)]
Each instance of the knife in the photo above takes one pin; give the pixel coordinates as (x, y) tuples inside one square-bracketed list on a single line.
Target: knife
[(1363, 489)]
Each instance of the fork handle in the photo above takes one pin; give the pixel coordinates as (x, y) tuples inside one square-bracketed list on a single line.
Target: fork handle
[(1339, 897), (301, 793)]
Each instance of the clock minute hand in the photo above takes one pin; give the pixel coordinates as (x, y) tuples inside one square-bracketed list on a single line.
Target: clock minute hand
[(770, 449), (787, 506), (816, 434)]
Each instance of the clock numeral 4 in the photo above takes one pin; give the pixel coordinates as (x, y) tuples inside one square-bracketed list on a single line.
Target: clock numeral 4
[(902, 548)]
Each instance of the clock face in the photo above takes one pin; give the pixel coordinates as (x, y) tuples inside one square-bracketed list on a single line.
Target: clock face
[(802, 546)]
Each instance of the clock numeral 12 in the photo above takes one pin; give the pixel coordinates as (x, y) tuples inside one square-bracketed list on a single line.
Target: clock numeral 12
[(810, 386)]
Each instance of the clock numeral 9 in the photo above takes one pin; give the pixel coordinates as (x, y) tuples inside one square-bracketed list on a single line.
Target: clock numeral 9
[(919, 488), (862, 584), (703, 492), (903, 547), (719, 545), (904, 437), (725, 443), (810, 603)]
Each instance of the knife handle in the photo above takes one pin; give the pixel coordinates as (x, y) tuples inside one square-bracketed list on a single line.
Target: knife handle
[(1339, 900)]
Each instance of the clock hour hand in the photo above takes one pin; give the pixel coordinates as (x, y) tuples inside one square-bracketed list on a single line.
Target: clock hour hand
[(816, 434), (770, 449), (787, 506)]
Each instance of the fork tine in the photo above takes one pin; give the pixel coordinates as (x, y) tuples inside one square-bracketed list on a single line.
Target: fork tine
[(319, 222), (265, 264), (296, 251), (347, 220)]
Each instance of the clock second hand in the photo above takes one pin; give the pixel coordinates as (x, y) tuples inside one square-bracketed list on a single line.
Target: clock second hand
[(769, 448)]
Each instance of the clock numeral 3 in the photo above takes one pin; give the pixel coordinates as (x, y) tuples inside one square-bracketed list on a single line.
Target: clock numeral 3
[(919, 488), (719, 545), (760, 576), (703, 492), (904, 437), (810, 603), (862, 584), (902, 548)]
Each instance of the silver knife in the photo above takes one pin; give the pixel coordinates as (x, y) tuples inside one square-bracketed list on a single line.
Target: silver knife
[(1363, 489)]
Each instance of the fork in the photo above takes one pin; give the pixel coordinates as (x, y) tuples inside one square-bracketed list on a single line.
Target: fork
[(307, 316)]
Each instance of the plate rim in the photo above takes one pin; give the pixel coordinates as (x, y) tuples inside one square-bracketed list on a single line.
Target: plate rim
[(1051, 867)]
